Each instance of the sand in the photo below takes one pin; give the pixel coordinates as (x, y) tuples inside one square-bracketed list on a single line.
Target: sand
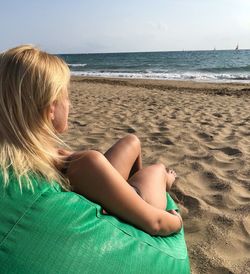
[(200, 130)]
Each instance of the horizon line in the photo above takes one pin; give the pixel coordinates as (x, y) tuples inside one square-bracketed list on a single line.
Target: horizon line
[(154, 51)]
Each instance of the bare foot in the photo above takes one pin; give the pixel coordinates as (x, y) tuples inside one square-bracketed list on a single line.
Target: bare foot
[(171, 175)]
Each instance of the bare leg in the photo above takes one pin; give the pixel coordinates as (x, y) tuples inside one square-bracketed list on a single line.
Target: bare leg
[(125, 156), (93, 176), (152, 183)]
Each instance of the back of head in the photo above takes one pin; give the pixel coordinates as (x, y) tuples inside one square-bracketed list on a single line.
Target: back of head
[(30, 80)]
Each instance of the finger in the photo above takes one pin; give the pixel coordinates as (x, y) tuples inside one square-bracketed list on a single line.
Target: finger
[(172, 211)]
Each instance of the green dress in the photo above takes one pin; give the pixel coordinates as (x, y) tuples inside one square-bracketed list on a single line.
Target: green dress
[(54, 231)]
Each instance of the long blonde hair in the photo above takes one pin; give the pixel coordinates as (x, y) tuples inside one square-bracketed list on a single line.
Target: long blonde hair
[(30, 80)]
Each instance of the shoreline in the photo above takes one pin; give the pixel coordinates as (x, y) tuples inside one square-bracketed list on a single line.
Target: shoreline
[(211, 81), (233, 88)]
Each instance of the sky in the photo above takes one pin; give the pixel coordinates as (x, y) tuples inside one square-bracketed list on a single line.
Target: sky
[(86, 26)]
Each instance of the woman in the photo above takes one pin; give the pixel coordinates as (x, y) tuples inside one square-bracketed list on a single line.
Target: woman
[(34, 109)]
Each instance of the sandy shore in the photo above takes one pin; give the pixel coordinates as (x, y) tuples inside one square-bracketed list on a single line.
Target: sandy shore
[(203, 132)]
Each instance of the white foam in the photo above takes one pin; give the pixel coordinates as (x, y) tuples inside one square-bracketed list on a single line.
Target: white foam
[(77, 65), (194, 76)]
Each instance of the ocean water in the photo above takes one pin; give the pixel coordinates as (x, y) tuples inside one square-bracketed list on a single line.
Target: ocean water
[(210, 66)]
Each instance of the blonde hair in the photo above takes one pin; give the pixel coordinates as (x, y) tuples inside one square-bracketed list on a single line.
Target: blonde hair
[(30, 80)]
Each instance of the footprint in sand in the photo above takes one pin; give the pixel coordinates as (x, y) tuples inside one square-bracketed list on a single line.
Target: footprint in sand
[(217, 199), (228, 151), (192, 204), (162, 140), (221, 186), (223, 220), (215, 183), (197, 167), (218, 115), (205, 136), (130, 130), (79, 123)]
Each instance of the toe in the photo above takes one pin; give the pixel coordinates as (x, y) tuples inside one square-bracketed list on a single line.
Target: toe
[(173, 172)]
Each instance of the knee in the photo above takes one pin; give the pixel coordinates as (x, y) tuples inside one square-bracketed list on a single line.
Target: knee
[(93, 156), (133, 140), (89, 158), (161, 167)]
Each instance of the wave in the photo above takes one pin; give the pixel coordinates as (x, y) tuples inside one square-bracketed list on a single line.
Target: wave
[(194, 76), (77, 65), (227, 69)]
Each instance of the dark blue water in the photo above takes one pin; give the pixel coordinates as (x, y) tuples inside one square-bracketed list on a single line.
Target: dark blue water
[(215, 66)]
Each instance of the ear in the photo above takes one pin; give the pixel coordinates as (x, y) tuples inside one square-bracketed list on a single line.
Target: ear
[(51, 112)]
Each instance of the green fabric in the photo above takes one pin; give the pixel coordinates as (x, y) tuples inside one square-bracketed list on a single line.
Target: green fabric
[(53, 231)]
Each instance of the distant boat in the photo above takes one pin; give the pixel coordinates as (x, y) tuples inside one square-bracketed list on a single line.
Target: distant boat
[(237, 47), (214, 48)]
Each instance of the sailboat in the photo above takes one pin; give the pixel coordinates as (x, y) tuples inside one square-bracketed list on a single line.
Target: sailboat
[(237, 47)]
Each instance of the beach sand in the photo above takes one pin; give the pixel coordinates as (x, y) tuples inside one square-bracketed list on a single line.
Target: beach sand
[(200, 130)]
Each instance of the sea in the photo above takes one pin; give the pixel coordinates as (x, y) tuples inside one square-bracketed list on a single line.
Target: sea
[(204, 66)]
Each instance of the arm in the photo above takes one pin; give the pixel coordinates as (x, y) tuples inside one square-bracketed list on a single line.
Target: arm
[(173, 227), (91, 175)]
